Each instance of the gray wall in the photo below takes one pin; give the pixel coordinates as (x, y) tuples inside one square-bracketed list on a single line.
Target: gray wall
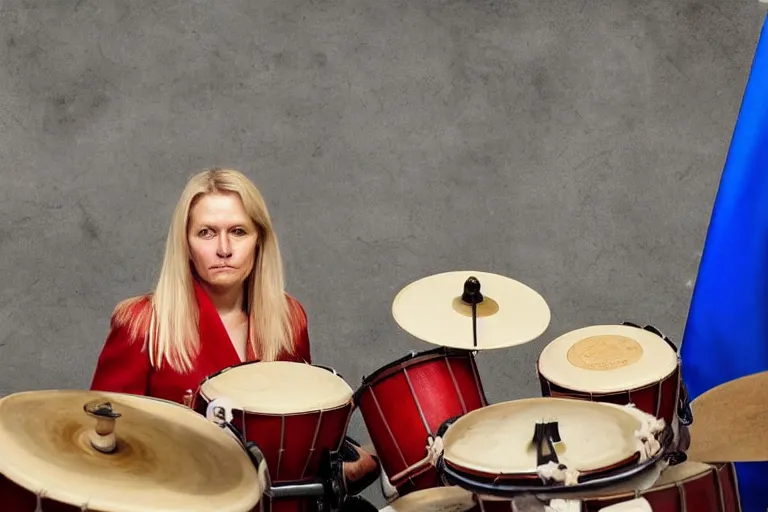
[(573, 145)]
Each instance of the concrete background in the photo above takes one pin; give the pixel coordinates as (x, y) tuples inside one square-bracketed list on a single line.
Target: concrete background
[(573, 145)]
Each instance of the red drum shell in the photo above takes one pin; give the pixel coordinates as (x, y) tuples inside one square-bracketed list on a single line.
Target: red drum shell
[(659, 399), (406, 402)]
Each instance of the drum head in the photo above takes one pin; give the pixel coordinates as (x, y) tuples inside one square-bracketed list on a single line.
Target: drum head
[(278, 387), (437, 499), (168, 457), (431, 310), (497, 439), (607, 358), (681, 472)]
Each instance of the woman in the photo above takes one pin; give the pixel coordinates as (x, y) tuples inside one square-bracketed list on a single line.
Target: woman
[(219, 301)]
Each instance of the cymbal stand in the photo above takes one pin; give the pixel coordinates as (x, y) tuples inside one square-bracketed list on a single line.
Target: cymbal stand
[(473, 297)]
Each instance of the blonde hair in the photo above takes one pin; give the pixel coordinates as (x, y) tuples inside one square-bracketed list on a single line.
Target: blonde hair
[(173, 335)]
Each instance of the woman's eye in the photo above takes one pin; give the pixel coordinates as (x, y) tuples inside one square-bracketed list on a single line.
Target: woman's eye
[(239, 231), (205, 233)]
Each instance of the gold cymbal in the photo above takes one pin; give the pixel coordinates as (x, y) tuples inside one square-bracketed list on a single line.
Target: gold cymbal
[(729, 422), (166, 457), (433, 310)]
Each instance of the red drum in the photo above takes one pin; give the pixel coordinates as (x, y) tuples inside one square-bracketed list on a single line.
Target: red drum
[(404, 403), (687, 487), (619, 364), (295, 413)]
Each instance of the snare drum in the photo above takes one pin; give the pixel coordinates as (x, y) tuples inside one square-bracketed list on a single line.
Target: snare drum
[(550, 445), (296, 414), (620, 364), (404, 403)]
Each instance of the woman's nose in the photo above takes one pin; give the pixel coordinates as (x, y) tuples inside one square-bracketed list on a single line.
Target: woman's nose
[(224, 249)]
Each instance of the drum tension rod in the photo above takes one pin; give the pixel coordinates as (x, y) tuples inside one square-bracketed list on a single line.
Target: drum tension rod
[(473, 297), (545, 435)]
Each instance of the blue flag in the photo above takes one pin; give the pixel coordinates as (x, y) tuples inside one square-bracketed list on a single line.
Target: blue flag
[(726, 334)]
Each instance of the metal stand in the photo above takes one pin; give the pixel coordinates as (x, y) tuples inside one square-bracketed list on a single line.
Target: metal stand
[(328, 489)]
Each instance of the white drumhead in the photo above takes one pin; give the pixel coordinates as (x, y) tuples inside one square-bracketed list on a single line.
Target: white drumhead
[(682, 471), (430, 309), (607, 358), (278, 387), (436, 499), (497, 439), (168, 457)]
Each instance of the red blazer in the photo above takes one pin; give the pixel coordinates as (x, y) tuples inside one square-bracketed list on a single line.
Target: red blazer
[(123, 365)]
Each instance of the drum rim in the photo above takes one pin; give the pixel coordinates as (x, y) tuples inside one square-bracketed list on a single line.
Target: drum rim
[(406, 361), (648, 383), (65, 494), (348, 404), (347, 401)]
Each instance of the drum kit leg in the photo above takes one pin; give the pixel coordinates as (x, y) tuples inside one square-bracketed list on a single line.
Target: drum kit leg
[(609, 432)]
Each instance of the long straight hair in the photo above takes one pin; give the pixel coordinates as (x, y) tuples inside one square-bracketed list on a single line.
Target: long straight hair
[(173, 335)]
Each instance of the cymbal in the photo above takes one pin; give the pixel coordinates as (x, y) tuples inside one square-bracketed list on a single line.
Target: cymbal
[(166, 457), (729, 422), (432, 310)]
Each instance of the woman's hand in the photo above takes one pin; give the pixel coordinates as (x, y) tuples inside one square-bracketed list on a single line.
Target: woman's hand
[(358, 470)]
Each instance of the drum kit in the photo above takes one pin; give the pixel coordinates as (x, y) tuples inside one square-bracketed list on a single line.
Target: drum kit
[(265, 436)]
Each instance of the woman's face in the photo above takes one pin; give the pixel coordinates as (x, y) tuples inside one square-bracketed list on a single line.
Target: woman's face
[(222, 240)]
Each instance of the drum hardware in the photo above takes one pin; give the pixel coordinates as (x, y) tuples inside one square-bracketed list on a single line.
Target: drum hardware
[(473, 297), (102, 437), (684, 412), (328, 488), (545, 436)]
